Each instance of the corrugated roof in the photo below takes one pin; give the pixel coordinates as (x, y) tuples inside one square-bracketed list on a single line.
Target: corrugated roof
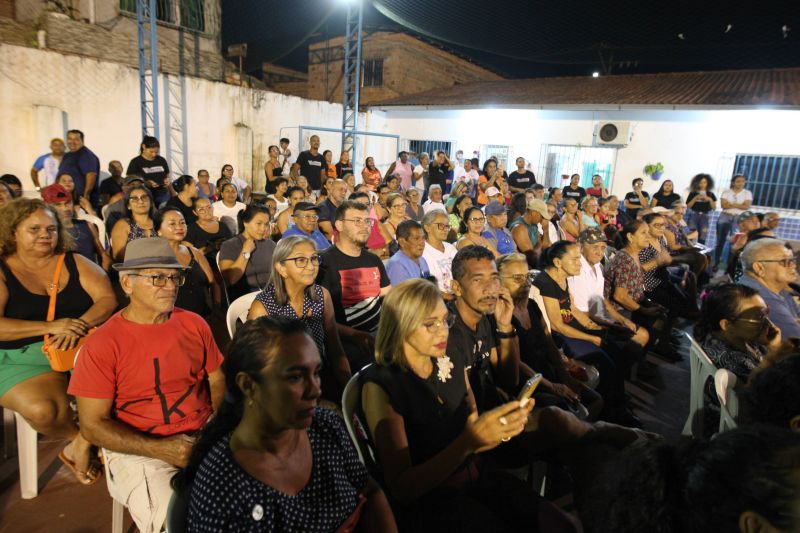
[(738, 88)]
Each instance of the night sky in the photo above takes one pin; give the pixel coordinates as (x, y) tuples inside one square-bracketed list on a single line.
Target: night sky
[(532, 38)]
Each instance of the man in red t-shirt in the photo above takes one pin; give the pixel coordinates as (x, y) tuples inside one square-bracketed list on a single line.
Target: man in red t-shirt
[(145, 381)]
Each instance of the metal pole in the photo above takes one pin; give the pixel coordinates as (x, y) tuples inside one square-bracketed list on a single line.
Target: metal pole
[(154, 64)]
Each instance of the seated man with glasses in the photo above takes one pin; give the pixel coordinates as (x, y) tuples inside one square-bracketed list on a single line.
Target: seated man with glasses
[(146, 381), (769, 267), (305, 218), (357, 282)]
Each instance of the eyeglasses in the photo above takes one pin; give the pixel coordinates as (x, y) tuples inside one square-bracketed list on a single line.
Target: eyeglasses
[(519, 278), (302, 262), (433, 325), (481, 220), (361, 222), (657, 226), (307, 217), (160, 280), (140, 199), (786, 262), (399, 204), (203, 209), (440, 226)]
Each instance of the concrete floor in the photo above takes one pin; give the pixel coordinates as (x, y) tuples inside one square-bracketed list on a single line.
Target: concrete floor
[(63, 506)]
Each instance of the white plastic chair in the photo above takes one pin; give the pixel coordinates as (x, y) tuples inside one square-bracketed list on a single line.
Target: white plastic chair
[(701, 369), (99, 224), (238, 311), (351, 400), (117, 507), (27, 451), (724, 383)]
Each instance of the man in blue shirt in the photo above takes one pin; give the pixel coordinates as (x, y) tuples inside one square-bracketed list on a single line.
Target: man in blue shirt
[(305, 218), (769, 267), (497, 233), (83, 166), (408, 263)]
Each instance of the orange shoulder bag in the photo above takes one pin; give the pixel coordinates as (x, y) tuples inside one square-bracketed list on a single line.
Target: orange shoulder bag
[(60, 360)]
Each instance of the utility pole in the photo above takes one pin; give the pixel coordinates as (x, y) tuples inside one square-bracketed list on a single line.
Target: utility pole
[(148, 65), (352, 77)]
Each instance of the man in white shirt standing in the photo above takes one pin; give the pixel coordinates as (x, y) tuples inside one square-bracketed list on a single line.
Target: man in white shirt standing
[(48, 163), (587, 288)]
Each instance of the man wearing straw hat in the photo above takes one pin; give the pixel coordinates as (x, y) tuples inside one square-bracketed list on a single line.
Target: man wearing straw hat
[(146, 381)]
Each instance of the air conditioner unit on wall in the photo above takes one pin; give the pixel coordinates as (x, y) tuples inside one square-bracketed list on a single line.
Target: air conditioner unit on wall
[(612, 133)]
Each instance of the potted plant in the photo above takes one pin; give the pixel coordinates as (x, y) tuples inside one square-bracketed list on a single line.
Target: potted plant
[(655, 171)]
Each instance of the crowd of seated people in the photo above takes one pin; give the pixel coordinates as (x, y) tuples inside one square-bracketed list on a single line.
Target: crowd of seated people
[(448, 284)]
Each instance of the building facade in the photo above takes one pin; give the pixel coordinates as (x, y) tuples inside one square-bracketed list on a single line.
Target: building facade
[(393, 64)]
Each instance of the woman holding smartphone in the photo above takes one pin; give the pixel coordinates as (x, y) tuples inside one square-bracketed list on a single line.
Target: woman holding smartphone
[(430, 439), (700, 202)]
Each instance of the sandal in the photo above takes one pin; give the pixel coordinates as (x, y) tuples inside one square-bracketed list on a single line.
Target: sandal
[(92, 475)]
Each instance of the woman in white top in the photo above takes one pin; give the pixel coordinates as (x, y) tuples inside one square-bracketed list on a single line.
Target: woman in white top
[(439, 253), (281, 202), (734, 202), (229, 206)]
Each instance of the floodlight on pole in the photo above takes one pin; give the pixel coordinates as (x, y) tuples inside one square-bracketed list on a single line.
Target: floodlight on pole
[(595, 74)]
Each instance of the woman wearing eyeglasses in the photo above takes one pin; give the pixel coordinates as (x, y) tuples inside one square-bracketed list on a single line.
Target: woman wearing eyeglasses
[(208, 232), (737, 335), (396, 205), (472, 230), (430, 440), (137, 223), (199, 287), (245, 260), (293, 293)]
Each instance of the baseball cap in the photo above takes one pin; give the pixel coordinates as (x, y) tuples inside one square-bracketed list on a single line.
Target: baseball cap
[(659, 209), (494, 208), (492, 191), (540, 207), (55, 194), (591, 236), (131, 178), (745, 215), (306, 206)]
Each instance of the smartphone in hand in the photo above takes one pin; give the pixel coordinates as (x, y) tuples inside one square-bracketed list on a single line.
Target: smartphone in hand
[(529, 388)]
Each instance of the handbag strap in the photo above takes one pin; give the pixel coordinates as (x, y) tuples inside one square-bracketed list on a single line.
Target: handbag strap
[(51, 309)]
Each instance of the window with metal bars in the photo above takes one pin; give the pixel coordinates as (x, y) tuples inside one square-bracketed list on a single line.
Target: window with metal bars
[(774, 180), (373, 72), (192, 12)]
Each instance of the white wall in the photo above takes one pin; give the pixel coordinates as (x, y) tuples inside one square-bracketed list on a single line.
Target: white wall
[(38, 87), (686, 142)]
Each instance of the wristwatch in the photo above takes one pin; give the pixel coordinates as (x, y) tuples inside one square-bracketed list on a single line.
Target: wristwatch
[(246, 255)]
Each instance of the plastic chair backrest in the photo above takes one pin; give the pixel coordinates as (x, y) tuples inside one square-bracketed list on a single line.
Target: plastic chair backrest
[(100, 225), (701, 370), (223, 284), (724, 383), (357, 428), (238, 311)]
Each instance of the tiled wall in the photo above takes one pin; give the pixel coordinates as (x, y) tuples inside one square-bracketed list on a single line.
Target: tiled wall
[(789, 228)]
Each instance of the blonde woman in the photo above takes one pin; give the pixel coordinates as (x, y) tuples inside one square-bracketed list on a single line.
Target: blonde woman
[(420, 412)]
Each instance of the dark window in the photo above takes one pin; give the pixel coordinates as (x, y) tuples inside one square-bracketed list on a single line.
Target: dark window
[(373, 72), (193, 15), (164, 9), (774, 180)]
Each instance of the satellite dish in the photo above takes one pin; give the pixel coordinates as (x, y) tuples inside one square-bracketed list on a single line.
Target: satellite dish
[(608, 132)]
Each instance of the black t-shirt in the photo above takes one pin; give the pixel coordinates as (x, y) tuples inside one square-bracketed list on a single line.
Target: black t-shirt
[(701, 205), (156, 170), (578, 194), (549, 288), (533, 345), (355, 284), (110, 187), (341, 169), (311, 166), (666, 200), (633, 198), (475, 349), (437, 175), (199, 237), (521, 181), (434, 410), (188, 212)]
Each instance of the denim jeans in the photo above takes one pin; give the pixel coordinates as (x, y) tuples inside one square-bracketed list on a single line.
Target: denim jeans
[(724, 226), (699, 222)]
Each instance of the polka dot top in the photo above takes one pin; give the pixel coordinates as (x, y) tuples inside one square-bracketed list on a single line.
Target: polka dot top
[(313, 313), (226, 498)]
